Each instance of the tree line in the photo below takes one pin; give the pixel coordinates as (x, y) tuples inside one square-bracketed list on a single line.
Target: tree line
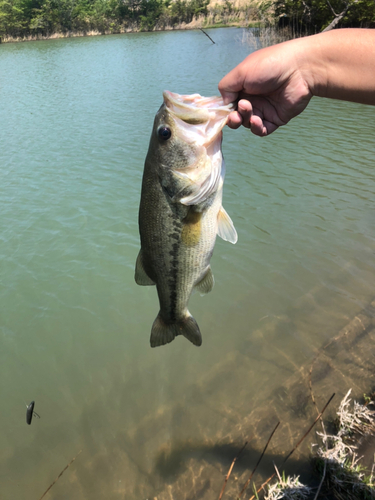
[(22, 18), (33, 18)]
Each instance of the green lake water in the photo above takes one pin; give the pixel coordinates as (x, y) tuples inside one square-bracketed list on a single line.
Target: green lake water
[(75, 120)]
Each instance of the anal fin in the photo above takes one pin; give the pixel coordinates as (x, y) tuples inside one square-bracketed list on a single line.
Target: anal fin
[(207, 283), (141, 277)]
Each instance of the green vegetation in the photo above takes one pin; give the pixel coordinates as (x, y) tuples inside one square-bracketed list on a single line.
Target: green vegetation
[(312, 16), (23, 19)]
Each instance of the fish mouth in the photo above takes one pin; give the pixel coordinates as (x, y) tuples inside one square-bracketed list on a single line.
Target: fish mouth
[(196, 102), (199, 119)]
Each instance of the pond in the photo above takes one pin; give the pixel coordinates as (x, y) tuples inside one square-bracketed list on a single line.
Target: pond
[(76, 116)]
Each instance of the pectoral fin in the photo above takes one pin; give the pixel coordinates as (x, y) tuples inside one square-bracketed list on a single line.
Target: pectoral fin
[(207, 283), (226, 229), (141, 277)]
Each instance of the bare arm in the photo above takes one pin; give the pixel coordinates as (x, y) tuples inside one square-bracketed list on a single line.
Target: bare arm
[(276, 84)]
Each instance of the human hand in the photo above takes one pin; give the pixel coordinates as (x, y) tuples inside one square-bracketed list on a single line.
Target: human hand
[(271, 86)]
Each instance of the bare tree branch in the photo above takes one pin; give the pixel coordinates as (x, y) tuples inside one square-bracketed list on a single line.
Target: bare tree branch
[(338, 16)]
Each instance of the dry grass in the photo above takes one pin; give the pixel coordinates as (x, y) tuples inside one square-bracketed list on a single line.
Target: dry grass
[(361, 420), (265, 37), (345, 477), (237, 4), (33, 38), (287, 488), (336, 459)]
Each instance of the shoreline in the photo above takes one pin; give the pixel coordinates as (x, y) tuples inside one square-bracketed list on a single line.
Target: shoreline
[(77, 34)]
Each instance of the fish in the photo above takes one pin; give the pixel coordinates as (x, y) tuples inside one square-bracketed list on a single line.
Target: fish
[(181, 210)]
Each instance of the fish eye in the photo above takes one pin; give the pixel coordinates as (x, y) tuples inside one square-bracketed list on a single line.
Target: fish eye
[(164, 133)]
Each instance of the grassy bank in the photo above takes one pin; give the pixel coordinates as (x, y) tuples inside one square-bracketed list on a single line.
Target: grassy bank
[(195, 24), (24, 22), (75, 34)]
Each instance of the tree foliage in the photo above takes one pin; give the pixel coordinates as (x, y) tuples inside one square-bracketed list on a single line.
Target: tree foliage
[(21, 18), (312, 16)]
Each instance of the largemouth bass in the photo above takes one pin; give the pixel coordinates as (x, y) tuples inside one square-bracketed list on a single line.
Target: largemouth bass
[(181, 209)]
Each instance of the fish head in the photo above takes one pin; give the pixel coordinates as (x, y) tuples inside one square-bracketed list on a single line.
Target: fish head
[(186, 145)]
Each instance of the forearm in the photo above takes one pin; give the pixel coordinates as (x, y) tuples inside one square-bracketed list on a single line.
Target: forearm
[(340, 64)]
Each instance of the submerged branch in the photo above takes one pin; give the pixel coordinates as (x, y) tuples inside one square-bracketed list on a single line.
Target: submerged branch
[(207, 35), (296, 446), (58, 477), (230, 470), (256, 466)]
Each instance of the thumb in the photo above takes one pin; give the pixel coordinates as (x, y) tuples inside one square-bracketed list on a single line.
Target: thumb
[(228, 96)]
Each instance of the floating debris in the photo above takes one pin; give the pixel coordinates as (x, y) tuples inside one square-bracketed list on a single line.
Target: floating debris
[(30, 412), (61, 473)]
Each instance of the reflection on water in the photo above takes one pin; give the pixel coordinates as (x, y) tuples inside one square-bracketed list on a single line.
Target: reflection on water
[(74, 327)]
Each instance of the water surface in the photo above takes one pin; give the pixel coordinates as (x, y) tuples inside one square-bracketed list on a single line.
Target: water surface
[(76, 115)]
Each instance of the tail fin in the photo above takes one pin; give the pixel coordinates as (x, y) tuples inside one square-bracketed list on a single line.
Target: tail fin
[(162, 333)]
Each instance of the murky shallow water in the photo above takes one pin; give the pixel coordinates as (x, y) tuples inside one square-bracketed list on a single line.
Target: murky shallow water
[(74, 327)]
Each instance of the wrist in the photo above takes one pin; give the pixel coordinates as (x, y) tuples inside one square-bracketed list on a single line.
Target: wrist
[(310, 60)]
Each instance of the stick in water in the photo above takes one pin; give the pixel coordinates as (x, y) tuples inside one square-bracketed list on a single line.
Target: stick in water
[(207, 35), (296, 446), (260, 458), (58, 477), (230, 470)]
